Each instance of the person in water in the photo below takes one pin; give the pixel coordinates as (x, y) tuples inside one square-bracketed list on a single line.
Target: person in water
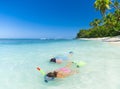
[(62, 72), (59, 60)]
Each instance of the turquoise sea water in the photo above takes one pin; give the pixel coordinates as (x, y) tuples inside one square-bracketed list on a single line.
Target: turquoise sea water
[(19, 59)]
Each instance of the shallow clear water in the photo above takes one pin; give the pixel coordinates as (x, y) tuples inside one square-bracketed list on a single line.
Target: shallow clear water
[(19, 59)]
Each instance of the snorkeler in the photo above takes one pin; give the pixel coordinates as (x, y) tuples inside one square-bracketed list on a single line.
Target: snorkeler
[(62, 72), (59, 60)]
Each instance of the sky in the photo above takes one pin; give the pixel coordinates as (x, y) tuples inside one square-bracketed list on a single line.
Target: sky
[(45, 18)]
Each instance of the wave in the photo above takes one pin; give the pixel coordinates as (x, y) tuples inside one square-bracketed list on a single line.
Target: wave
[(30, 40)]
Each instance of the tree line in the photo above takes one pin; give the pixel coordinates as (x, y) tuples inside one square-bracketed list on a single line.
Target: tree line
[(108, 25)]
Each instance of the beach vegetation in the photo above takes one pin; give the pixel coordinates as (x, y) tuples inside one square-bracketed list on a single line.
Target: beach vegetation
[(108, 25)]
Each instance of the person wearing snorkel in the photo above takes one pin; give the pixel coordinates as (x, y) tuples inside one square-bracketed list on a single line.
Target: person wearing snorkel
[(59, 60), (61, 73)]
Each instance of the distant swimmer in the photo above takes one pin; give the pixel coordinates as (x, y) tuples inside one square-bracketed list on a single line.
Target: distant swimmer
[(60, 59)]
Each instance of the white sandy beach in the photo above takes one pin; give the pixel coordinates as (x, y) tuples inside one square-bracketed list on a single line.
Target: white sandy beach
[(93, 38), (112, 40)]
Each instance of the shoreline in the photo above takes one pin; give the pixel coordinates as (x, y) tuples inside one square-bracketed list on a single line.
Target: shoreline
[(112, 40)]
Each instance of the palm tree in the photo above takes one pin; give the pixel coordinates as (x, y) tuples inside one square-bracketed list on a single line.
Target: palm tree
[(95, 22), (117, 17), (109, 20), (116, 5), (102, 5)]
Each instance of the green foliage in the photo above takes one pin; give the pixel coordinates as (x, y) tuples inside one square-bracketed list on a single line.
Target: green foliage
[(109, 25), (102, 5), (95, 22)]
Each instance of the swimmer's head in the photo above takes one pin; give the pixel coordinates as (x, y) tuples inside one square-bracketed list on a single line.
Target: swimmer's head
[(52, 74), (53, 60), (55, 73), (70, 52)]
